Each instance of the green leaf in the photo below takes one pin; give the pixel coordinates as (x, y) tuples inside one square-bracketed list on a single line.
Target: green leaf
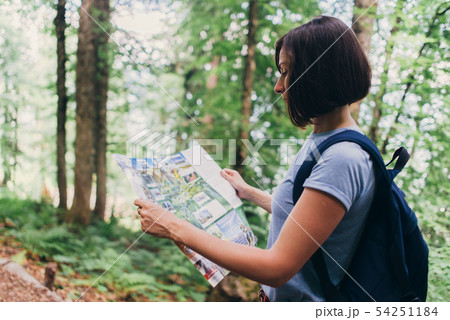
[(20, 257)]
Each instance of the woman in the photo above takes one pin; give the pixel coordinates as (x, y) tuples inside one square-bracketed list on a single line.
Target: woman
[(323, 70)]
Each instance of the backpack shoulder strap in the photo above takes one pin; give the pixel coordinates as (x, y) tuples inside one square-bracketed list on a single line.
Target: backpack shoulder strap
[(348, 135)]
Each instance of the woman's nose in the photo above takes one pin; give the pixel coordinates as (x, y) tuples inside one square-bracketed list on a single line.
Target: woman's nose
[(279, 87)]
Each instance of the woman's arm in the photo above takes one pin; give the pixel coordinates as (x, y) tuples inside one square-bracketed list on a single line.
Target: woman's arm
[(260, 198), (315, 216), (244, 191)]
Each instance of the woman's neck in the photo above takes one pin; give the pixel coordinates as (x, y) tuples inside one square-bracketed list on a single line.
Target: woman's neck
[(338, 118)]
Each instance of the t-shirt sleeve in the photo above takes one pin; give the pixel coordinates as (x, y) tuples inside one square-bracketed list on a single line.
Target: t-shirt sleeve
[(341, 172)]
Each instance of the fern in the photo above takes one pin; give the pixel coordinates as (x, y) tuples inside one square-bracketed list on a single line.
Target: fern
[(145, 270), (133, 281)]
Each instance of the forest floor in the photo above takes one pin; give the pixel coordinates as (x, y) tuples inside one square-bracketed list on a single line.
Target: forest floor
[(32, 235), (13, 289)]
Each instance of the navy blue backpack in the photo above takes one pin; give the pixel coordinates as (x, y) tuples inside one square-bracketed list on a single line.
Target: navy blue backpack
[(391, 260)]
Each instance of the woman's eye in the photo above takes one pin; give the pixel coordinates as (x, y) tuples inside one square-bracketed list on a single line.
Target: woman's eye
[(284, 73)]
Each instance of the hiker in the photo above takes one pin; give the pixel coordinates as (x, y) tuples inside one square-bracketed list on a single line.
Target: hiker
[(323, 71)]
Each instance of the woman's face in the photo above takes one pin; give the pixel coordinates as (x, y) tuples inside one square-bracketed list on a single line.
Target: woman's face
[(282, 83)]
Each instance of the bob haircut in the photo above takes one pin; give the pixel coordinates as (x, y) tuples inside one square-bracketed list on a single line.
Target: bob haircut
[(327, 68)]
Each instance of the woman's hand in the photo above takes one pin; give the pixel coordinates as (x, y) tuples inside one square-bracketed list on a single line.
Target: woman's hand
[(245, 191), (155, 220), (237, 182)]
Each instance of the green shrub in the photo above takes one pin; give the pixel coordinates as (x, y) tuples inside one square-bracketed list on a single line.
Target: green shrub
[(144, 270)]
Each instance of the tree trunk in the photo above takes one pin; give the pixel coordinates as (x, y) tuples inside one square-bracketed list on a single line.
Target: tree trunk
[(249, 72), (60, 27), (376, 116), (213, 77), (6, 145), (102, 96), (5, 141), (85, 113), (9, 133), (50, 273), (207, 120), (185, 118), (362, 25)]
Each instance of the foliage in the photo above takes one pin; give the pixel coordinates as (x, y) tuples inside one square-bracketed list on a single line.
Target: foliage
[(211, 60), (415, 114), (197, 42), (151, 268), (214, 45), (439, 275)]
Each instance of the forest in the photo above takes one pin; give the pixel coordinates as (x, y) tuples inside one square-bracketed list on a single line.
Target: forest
[(80, 78)]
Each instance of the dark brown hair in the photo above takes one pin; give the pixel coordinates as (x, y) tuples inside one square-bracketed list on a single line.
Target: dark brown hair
[(327, 68)]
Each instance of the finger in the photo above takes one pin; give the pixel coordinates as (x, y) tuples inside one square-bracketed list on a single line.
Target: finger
[(226, 173), (139, 202)]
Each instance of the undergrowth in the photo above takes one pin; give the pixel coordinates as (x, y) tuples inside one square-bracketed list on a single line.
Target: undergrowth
[(152, 267)]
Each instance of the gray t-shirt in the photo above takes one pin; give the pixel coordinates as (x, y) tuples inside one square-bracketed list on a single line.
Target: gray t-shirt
[(344, 171)]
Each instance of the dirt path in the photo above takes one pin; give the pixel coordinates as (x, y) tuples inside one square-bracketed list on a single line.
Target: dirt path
[(14, 287)]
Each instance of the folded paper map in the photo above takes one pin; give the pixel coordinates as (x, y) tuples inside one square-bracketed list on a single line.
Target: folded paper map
[(189, 185)]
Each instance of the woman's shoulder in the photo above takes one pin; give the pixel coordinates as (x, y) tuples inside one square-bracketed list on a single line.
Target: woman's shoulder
[(348, 152), (343, 171), (339, 156)]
